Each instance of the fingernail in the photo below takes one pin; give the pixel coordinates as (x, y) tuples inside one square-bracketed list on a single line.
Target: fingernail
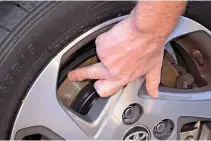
[(98, 87), (155, 94), (70, 76)]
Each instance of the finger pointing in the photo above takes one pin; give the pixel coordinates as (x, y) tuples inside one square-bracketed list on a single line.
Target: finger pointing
[(153, 81), (96, 71)]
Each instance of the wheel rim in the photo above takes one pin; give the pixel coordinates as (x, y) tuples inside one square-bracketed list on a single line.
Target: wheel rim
[(42, 111)]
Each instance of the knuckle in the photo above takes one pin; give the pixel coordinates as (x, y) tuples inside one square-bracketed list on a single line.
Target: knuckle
[(125, 77), (114, 72), (155, 79), (92, 74), (100, 54), (99, 40)]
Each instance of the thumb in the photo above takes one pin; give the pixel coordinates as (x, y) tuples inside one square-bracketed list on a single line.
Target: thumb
[(107, 88), (96, 71), (153, 81)]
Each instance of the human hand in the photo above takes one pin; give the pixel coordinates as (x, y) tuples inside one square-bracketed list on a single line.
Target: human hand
[(126, 53)]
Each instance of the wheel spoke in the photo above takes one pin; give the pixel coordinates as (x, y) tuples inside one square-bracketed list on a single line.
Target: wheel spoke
[(113, 127), (185, 26), (41, 107)]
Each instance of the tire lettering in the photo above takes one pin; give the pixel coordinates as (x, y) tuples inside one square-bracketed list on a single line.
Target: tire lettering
[(23, 57), (17, 67), (9, 78), (31, 49)]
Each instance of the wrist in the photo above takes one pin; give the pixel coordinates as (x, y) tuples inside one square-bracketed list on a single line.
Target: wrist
[(156, 19), (146, 34)]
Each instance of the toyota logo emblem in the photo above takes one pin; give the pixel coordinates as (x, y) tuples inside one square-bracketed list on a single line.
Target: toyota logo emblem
[(137, 133)]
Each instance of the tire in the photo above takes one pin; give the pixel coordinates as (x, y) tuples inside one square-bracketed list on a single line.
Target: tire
[(31, 33)]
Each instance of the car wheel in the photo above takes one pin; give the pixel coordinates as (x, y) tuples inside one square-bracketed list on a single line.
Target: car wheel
[(42, 41)]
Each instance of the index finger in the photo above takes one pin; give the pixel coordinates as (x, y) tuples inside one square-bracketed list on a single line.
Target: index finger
[(96, 71)]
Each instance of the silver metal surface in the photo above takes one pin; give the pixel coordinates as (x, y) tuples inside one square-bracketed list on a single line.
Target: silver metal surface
[(42, 108), (192, 134)]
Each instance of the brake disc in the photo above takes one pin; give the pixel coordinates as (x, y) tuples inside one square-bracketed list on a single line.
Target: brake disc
[(80, 96)]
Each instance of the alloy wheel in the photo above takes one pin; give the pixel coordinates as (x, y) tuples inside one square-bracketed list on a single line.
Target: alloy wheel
[(57, 109)]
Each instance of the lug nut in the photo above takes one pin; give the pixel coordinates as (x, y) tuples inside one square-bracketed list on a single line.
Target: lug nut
[(163, 129), (129, 113), (160, 128), (184, 81), (194, 86), (196, 54), (132, 114)]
